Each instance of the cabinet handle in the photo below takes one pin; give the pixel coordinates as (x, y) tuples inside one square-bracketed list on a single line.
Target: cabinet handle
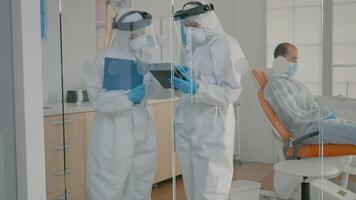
[(62, 197), (63, 172), (60, 122), (62, 147), (69, 195)]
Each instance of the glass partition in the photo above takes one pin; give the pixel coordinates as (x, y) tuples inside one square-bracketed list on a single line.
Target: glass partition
[(54, 123), (339, 98), (295, 66), (169, 100)]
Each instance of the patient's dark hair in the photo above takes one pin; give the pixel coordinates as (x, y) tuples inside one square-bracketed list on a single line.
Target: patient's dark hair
[(282, 49)]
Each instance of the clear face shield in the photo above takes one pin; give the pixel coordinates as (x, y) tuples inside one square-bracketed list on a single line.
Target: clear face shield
[(135, 29), (189, 32), (183, 43)]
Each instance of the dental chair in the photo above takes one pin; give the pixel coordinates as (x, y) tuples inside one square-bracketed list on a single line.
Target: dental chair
[(293, 149)]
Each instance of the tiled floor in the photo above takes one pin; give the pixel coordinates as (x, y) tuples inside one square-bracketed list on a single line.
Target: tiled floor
[(258, 172), (262, 173)]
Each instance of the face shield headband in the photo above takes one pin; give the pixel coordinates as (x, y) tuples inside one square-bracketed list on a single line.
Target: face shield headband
[(198, 10), (132, 26)]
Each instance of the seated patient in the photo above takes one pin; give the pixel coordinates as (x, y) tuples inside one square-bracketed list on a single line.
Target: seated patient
[(298, 109)]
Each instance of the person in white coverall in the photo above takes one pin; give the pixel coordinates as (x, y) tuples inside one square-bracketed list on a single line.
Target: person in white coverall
[(301, 111), (205, 119), (122, 151)]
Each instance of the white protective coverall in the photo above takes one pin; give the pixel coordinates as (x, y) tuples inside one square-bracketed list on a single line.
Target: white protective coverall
[(122, 151), (205, 127)]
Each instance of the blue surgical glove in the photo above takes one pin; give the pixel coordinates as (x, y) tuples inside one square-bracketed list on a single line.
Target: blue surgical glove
[(182, 68), (188, 86), (331, 116), (137, 94)]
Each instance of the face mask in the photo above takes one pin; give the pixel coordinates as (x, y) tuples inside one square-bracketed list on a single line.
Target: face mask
[(292, 70), (198, 36), (141, 43), (138, 43)]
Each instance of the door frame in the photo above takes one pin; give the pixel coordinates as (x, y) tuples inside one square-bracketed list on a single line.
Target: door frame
[(28, 100)]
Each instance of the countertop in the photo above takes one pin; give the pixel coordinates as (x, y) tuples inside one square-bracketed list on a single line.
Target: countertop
[(341, 103), (70, 108)]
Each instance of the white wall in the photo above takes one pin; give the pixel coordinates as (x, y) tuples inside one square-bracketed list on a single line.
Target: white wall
[(79, 41), (344, 47), (250, 25), (7, 127), (256, 136), (51, 55), (300, 23), (79, 46)]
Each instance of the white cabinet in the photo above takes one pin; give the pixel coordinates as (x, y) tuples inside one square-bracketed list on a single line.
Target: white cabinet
[(162, 114)]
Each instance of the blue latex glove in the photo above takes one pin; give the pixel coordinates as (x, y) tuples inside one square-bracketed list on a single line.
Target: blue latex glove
[(331, 116), (188, 86), (182, 68), (137, 94)]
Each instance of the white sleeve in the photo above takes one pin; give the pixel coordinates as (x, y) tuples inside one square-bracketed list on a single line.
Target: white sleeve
[(101, 99), (289, 106), (218, 95), (224, 58)]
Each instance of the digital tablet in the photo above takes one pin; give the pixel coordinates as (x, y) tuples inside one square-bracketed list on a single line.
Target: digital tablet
[(162, 73)]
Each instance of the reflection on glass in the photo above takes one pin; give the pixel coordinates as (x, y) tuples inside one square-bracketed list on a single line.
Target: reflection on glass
[(205, 117), (130, 113)]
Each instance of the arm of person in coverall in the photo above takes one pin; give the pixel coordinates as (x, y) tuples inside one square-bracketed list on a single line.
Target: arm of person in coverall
[(328, 112), (101, 99), (226, 71), (284, 103)]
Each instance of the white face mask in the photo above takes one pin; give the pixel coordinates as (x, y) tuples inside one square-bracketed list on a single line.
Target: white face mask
[(198, 36), (142, 42), (139, 43)]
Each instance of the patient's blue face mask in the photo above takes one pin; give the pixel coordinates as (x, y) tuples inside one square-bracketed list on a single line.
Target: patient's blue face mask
[(292, 70)]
